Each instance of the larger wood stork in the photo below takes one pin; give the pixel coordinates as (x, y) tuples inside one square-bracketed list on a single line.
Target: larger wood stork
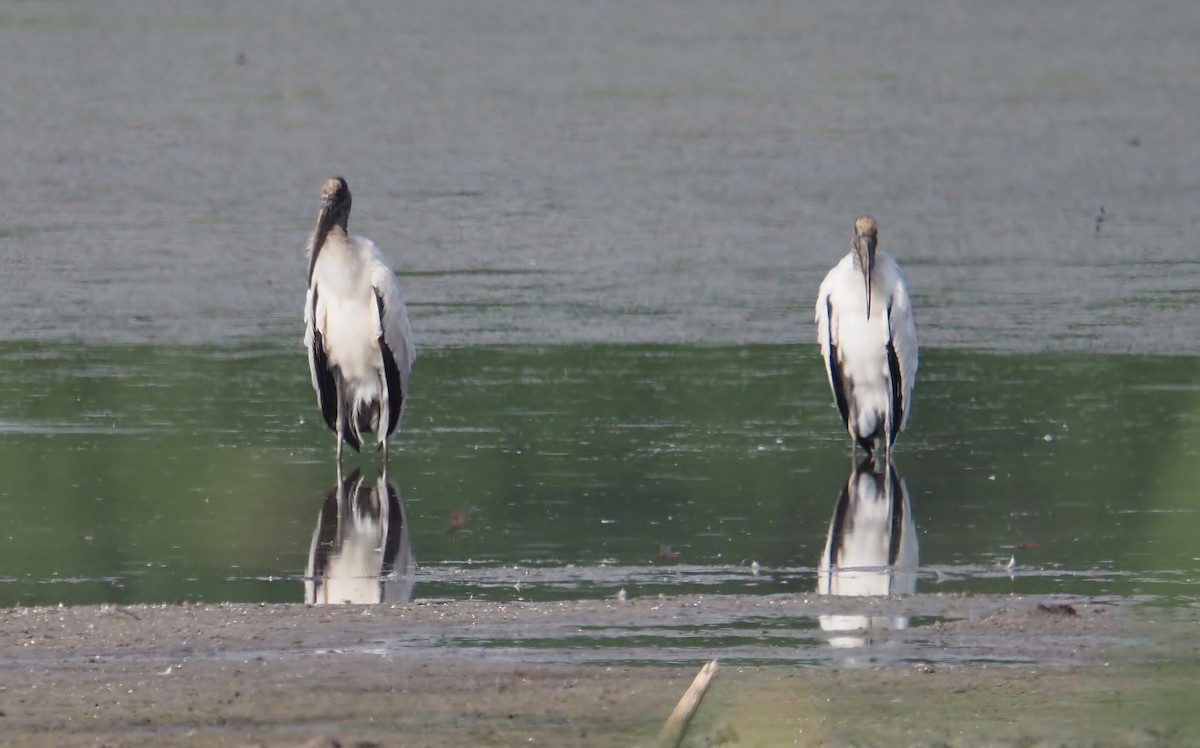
[(356, 329), (868, 340)]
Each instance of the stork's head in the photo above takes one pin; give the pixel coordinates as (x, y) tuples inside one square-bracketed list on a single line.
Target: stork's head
[(335, 202), (335, 211), (866, 237)]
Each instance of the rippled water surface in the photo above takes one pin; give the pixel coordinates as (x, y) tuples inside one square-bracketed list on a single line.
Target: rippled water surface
[(552, 171), (159, 474)]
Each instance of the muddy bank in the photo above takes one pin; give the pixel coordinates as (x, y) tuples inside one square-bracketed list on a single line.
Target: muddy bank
[(686, 630), (488, 674)]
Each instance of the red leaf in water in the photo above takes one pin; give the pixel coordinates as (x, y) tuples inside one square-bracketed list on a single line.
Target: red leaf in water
[(1028, 544)]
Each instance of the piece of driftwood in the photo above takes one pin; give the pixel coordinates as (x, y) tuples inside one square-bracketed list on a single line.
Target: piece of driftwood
[(677, 724)]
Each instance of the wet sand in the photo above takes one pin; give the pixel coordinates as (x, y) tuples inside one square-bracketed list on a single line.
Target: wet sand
[(281, 675)]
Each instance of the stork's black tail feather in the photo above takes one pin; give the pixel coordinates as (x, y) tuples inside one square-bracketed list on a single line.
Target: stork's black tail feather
[(346, 412)]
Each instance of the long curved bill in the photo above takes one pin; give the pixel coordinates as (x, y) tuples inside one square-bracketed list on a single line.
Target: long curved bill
[(864, 254), (866, 271)]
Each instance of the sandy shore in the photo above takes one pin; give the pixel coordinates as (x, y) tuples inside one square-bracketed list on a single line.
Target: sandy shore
[(296, 675)]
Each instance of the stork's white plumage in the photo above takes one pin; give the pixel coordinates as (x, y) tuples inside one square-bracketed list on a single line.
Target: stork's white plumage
[(868, 341), (356, 329)]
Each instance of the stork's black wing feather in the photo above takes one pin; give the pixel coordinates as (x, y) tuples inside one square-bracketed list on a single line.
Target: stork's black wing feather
[(896, 375), (835, 371), (391, 373), (395, 393), (323, 376)]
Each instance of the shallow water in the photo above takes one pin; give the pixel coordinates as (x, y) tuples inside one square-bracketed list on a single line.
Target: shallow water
[(158, 474)]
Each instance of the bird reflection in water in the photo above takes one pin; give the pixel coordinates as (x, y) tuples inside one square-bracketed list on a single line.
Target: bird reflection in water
[(360, 550), (871, 551)]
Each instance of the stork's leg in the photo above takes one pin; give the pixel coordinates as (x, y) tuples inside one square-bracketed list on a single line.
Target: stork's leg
[(381, 424)]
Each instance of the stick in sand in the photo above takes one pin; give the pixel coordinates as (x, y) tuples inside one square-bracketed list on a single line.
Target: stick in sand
[(677, 724)]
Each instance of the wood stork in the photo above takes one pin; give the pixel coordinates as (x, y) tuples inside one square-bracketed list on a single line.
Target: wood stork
[(868, 340), (360, 346)]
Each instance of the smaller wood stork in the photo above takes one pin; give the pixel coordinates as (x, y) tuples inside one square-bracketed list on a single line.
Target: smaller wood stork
[(356, 329), (868, 340)]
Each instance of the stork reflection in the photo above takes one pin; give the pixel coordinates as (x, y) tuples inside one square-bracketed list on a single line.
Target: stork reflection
[(871, 550), (360, 550)]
